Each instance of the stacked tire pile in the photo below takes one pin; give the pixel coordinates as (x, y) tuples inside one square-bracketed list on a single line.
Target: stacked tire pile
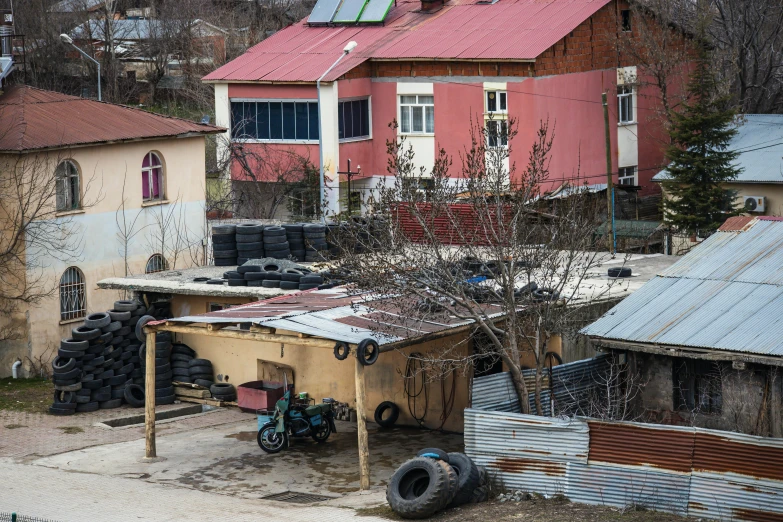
[(223, 391), (273, 276), (276, 243), (164, 388), (316, 247), (98, 367), (296, 241), (250, 244), (433, 481), (224, 245)]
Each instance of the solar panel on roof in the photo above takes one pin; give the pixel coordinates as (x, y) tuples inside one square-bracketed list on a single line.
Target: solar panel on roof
[(376, 11), (323, 11), (349, 11)]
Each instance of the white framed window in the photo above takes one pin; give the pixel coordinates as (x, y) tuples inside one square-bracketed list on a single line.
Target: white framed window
[(72, 298), (274, 120), (152, 177), (353, 119), (497, 102), (156, 263), (627, 176), (497, 133), (68, 193), (417, 114), (625, 103)]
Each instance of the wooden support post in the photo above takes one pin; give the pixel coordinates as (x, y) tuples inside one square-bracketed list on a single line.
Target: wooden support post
[(149, 396), (361, 429)]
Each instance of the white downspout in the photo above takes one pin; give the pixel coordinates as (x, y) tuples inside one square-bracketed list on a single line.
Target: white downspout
[(15, 369)]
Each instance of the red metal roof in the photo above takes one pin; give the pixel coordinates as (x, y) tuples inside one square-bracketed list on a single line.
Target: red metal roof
[(461, 30), (735, 223), (34, 119)]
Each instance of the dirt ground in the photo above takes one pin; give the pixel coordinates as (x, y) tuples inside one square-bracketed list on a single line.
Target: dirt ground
[(26, 395), (537, 510)]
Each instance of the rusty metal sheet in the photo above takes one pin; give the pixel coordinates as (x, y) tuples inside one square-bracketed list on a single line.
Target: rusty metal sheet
[(515, 473), (736, 453), (623, 487), (726, 497), (645, 445), (43, 119)]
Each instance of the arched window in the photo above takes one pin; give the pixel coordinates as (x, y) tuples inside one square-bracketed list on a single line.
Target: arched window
[(67, 179), (152, 177), (156, 263), (72, 302)]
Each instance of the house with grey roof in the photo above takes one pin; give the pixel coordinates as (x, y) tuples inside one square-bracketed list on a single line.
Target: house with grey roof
[(705, 336), (759, 186)]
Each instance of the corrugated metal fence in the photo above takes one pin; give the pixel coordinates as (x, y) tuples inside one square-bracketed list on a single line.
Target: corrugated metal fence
[(688, 471), (568, 387), (13, 517)]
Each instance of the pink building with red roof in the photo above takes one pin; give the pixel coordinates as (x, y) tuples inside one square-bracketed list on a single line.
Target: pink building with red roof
[(435, 67)]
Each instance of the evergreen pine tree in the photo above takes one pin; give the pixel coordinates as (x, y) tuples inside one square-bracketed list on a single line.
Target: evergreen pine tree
[(700, 162)]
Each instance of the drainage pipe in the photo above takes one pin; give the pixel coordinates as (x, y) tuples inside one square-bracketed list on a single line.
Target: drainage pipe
[(15, 369)]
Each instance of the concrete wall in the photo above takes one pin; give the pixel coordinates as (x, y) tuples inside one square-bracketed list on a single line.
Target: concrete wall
[(750, 397), (110, 173)]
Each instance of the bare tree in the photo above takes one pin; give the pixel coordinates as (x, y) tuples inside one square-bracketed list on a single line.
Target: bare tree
[(479, 246), (34, 233)]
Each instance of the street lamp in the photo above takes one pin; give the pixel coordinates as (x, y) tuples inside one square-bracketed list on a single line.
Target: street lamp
[(348, 48), (68, 40)]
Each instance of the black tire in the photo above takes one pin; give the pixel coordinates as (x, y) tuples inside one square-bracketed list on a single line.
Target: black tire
[(183, 349), (394, 414), (112, 326), (434, 453), (237, 282), (134, 395), (469, 478), (202, 377), (125, 306), (73, 373), (223, 247), (222, 240), (62, 365), (545, 294), (56, 410), (223, 262), (139, 330), (249, 247), (119, 315), (274, 231), (83, 333), (110, 404), (108, 374), (181, 357), (62, 398), (183, 379), (82, 399), (70, 386), (418, 489), (224, 229), (222, 388), (118, 393), (341, 351), (88, 407), (178, 365), (275, 249), (123, 332), (164, 377), (118, 380), (97, 320), (269, 441), (243, 239), (225, 398), (203, 369), (203, 382), (619, 272), (291, 274), (249, 228), (322, 432), (169, 399), (92, 384), (246, 269), (453, 480), (270, 283), (289, 285), (312, 279), (224, 254), (200, 362), (368, 352), (74, 345), (180, 372)]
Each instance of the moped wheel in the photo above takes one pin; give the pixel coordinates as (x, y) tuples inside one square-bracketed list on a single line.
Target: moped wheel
[(322, 432), (271, 441)]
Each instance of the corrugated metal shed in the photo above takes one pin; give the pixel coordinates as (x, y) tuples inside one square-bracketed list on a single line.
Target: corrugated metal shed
[(759, 142), (726, 294), (462, 30), (37, 119)]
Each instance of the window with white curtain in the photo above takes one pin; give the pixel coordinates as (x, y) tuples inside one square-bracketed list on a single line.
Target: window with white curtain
[(417, 114)]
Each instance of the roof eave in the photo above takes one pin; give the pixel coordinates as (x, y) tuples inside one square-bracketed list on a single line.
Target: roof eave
[(217, 130)]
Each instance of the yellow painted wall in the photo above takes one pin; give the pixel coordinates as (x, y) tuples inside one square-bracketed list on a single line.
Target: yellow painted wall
[(773, 193), (104, 171)]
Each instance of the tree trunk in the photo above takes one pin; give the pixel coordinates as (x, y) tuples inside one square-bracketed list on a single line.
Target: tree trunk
[(519, 383)]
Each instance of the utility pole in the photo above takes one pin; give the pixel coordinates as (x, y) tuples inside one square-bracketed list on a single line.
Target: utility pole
[(609, 185)]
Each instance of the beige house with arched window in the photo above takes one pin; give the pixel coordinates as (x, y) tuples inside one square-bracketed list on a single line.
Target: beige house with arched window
[(88, 190)]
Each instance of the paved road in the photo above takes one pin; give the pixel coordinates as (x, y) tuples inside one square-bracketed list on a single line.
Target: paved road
[(65, 496)]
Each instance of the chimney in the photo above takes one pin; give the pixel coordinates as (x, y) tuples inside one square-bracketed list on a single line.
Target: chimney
[(431, 5)]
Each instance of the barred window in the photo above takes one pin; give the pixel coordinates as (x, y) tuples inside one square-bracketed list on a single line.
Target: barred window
[(67, 179), (156, 263), (72, 301)]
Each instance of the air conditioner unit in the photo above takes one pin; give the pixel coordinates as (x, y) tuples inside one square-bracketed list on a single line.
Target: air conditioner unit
[(754, 203)]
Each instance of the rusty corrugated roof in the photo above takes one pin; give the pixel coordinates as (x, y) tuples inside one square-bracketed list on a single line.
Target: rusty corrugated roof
[(35, 119), (516, 30)]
